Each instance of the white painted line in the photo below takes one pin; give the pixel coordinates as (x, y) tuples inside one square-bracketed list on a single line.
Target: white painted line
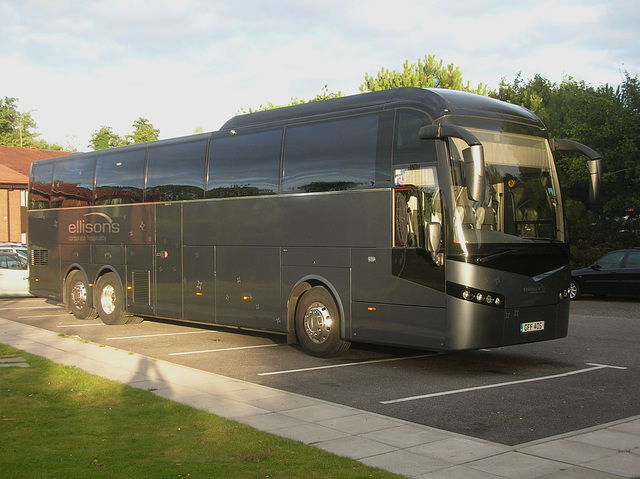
[(594, 367), (31, 308), (157, 335), (59, 315), (223, 349), (344, 365), (79, 325)]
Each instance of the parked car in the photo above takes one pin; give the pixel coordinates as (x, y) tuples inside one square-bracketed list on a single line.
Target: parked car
[(14, 275), (617, 273), (17, 248)]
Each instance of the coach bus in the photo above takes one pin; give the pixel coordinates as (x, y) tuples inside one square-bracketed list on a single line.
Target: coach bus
[(421, 218)]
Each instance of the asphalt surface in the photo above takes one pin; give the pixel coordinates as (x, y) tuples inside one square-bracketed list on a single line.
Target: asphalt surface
[(509, 395)]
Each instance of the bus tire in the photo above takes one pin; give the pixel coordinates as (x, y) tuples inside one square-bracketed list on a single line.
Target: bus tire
[(109, 300), (318, 324), (77, 300)]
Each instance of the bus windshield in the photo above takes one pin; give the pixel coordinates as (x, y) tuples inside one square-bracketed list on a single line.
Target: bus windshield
[(522, 194)]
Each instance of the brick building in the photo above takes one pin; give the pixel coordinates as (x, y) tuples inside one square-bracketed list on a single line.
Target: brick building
[(15, 164)]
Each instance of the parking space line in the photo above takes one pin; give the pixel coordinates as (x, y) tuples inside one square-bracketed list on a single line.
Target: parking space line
[(59, 315), (31, 308), (79, 325), (594, 367), (157, 335), (344, 365), (222, 349)]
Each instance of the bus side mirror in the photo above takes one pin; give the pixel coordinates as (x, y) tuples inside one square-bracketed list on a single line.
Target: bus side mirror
[(474, 172), (433, 237), (473, 156), (594, 163), (595, 173)]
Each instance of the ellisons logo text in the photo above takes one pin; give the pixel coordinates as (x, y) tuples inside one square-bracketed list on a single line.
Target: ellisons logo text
[(84, 227), (93, 227)]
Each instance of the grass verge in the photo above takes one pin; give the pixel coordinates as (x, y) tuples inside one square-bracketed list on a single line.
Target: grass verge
[(59, 422)]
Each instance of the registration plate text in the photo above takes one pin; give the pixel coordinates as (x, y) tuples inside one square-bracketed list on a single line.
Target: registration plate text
[(531, 327)]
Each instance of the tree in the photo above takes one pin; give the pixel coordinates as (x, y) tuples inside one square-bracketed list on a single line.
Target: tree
[(323, 95), (143, 131), (425, 73), (105, 138), (16, 127)]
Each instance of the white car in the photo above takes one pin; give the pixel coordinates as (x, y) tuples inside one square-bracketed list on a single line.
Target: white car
[(17, 248), (14, 275)]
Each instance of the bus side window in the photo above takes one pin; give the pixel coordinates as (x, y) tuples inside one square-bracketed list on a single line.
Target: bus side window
[(176, 172), (73, 183), (245, 164), (334, 155), (40, 186), (120, 177)]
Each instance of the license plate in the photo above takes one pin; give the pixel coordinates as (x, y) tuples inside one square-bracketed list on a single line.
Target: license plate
[(531, 327)]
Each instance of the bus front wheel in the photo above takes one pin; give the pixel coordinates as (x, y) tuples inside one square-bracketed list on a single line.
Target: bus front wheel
[(110, 301), (318, 324), (78, 296)]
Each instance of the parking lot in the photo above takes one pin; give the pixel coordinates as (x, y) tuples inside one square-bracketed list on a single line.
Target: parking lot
[(510, 395)]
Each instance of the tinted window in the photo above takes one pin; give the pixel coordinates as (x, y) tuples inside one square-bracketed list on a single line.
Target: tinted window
[(245, 164), (120, 177), (330, 156), (40, 185), (73, 182), (633, 260), (176, 172), (611, 260), (407, 145)]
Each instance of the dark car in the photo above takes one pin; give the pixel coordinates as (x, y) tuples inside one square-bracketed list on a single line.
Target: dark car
[(617, 273)]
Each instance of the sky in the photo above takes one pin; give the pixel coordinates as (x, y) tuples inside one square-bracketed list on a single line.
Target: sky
[(78, 65)]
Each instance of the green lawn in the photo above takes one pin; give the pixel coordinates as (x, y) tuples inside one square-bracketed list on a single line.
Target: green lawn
[(59, 422)]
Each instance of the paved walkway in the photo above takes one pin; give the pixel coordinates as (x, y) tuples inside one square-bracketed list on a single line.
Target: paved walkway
[(607, 452)]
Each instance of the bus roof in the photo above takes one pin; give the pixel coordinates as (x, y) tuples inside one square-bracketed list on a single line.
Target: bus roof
[(436, 102)]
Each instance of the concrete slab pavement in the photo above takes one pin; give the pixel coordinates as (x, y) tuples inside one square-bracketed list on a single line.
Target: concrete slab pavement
[(607, 452)]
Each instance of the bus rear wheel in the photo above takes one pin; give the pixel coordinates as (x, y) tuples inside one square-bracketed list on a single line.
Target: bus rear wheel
[(109, 301), (318, 324), (78, 296)]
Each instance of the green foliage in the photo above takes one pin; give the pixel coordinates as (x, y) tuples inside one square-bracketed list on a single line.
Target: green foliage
[(323, 95), (143, 131), (425, 73), (104, 138), (607, 120), (16, 127)]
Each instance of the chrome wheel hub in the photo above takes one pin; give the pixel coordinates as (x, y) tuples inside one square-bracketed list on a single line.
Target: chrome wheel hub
[(317, 323), (108, 299), (79, 295)]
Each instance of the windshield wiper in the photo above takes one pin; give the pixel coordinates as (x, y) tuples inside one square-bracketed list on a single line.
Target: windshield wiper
[(491, 257)]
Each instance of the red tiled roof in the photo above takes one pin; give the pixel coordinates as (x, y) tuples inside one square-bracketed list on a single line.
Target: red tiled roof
[(9, 176), (19, 159)]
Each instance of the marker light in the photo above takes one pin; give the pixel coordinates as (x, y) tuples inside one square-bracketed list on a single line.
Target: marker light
[(474, 295)]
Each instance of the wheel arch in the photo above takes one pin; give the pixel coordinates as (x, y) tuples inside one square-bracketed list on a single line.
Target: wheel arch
[(302, 286)]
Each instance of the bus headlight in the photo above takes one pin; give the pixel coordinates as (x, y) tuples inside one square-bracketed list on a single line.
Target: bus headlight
[(474, 295), (564, 294)]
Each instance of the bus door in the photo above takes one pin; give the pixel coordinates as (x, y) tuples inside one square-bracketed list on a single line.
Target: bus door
[(168, 264)]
